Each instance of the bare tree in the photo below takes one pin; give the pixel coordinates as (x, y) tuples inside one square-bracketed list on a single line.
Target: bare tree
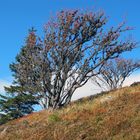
[(73, 48), (114, 72)]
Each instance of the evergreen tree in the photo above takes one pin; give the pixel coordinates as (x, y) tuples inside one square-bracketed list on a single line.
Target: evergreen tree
[(15, 104)]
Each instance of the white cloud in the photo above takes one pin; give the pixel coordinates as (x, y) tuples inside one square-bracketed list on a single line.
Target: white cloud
[(131, 79), (90, 89), (3, 83)]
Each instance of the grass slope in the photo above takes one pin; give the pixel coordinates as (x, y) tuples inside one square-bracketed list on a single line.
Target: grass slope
[(111, 116)]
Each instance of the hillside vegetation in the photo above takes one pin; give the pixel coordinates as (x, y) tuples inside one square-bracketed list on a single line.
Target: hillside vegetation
[(110, 116)]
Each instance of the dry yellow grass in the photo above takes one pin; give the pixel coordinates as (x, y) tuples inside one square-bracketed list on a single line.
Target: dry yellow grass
[(111, 116)]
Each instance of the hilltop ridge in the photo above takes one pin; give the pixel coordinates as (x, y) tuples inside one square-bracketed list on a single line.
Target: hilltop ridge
[(111, 115)]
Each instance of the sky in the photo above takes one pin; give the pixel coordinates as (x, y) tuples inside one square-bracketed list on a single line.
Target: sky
[(17, 16)]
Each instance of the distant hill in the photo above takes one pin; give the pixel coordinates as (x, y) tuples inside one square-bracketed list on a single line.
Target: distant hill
[(107, 116)]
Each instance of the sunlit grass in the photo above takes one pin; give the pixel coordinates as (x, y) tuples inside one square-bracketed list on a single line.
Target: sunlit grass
[(114, 115)]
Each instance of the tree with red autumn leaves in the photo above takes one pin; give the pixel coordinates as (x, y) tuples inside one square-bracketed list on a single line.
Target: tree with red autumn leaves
[(75, 47)]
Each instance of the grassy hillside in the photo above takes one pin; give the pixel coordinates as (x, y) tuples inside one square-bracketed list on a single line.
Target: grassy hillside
[(111, 116)]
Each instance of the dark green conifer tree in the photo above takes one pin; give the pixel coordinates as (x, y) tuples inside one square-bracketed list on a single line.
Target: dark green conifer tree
[(15, 104), (19, 99)]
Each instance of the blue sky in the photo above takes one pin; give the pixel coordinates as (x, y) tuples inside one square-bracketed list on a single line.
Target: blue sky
[(17, 16)]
